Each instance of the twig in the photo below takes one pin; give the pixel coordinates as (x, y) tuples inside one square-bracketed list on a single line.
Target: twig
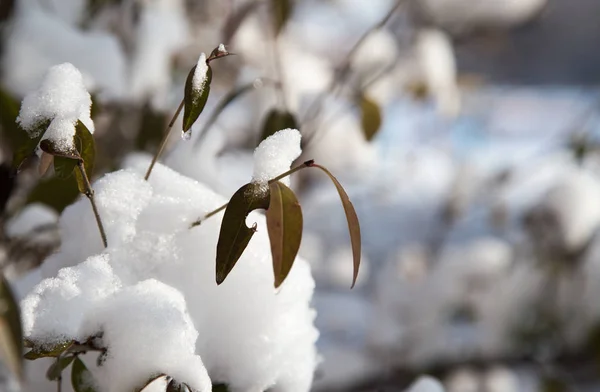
[(164, 140), (272, 180), (89, 193)]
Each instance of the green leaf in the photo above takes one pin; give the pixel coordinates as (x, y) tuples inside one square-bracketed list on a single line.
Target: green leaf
[(63, 167), (235, 235), (27, 147), (275, 121), (352, 218), (81, 378), (54, 192), (220, 388), (57, 367), (284, 223), (45, 352), (194, 100), (370, 116), (282, 10), (11, 335), (86, 146)]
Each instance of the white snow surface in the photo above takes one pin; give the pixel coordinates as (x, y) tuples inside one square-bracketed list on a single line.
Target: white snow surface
[(275, 154), (153, 273), (199, 78), (426, 384), (32, 217), (62, 99)]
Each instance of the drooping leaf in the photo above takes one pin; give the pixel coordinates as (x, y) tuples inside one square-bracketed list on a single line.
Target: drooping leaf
[(86, 146), (370, 116), (57, 367), (194, 100), (11, 335), (284, 223), (175, 386), (352, 218), (275, 121), (55, 150), (45, 352), (234, 234), (63, 167), (282, 10), (220, 387), (27, 147), (236, 18), (82, 379)]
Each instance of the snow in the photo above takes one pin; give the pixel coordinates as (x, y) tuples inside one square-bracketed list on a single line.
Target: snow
[(426, 384), (248, 335), (221, 48), (199, 78), (31, 217), (62, 99), (275, 154)]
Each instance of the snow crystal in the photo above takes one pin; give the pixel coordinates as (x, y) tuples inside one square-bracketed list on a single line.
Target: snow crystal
[(53, 311), (199, 78), (33, 216), (248, 335), (147, 330), (275, 154), (426, 384), (62, 97)]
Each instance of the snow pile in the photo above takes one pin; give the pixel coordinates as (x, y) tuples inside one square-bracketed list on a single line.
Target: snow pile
[(248, 336), (61, 99), (32, 217), (275, 154), (426, 384)]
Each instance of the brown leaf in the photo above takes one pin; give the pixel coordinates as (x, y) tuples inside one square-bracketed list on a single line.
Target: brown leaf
[(284, 223), (352, 218)]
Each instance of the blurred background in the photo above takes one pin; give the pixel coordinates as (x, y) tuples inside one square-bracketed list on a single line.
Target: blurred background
[(466, 132)]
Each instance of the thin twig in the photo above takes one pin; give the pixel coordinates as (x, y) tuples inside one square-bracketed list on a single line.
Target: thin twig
[(163, 143), (89, 193), (272, 180)]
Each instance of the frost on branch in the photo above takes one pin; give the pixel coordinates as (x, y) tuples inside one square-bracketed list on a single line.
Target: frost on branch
[(61, 99), (148, 222)]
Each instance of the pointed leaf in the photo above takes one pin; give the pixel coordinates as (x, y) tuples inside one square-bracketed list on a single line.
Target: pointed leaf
[(27, 147), (57, 367), (86, 146), (275, 121), (282, 9), (53, 351), (284, 223), (49, 147), (235, 235), (63, 167), (82, 379), (352, 218), (194, 100), (370, 117), (11, 335)]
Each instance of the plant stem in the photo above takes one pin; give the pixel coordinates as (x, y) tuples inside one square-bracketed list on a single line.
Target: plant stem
[(308, 163), (89, 193), (163, 143)]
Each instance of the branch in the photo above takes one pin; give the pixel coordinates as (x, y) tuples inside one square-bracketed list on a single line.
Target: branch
[(89, 193)]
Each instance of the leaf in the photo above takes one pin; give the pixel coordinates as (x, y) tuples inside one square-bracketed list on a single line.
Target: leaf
[(284, 223), (282, 10), (220, 388), (45, 161), (11, 335), (351, 217), (63, 167), (275, 121), (45, 352), (81, 378), (152, 380), (55, 370), (235, 235), (176, 386), (86, 147), (370, 116), (194, 102), (54, 192), (27, 147), (55, 150)]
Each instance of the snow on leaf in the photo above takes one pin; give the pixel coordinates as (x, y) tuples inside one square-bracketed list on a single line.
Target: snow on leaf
[(48, 351), (284, 224), (275, 121), (234, 235), (195, 98)]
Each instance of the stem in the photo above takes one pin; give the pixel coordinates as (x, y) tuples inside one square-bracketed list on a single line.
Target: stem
[(308, 163), (163, 143), (89, 193)]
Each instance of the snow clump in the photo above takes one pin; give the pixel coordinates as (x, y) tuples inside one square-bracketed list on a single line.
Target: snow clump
[(275, 154)]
